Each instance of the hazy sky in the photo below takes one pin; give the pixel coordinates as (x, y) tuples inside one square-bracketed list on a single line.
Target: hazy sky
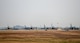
[(39, 12)]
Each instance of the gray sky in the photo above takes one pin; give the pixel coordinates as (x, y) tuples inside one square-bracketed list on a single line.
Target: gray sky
[(39, 12)]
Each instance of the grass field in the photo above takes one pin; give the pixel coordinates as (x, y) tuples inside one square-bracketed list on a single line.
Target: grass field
[(39, 36)]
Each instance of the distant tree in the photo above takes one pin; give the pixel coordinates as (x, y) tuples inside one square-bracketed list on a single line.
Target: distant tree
[(31, 27), (25, 27), (52, 26), (71, 27), (45, 28), (8, 27)]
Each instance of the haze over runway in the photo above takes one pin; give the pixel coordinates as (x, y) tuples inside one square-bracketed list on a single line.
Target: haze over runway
[(39, 12)]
